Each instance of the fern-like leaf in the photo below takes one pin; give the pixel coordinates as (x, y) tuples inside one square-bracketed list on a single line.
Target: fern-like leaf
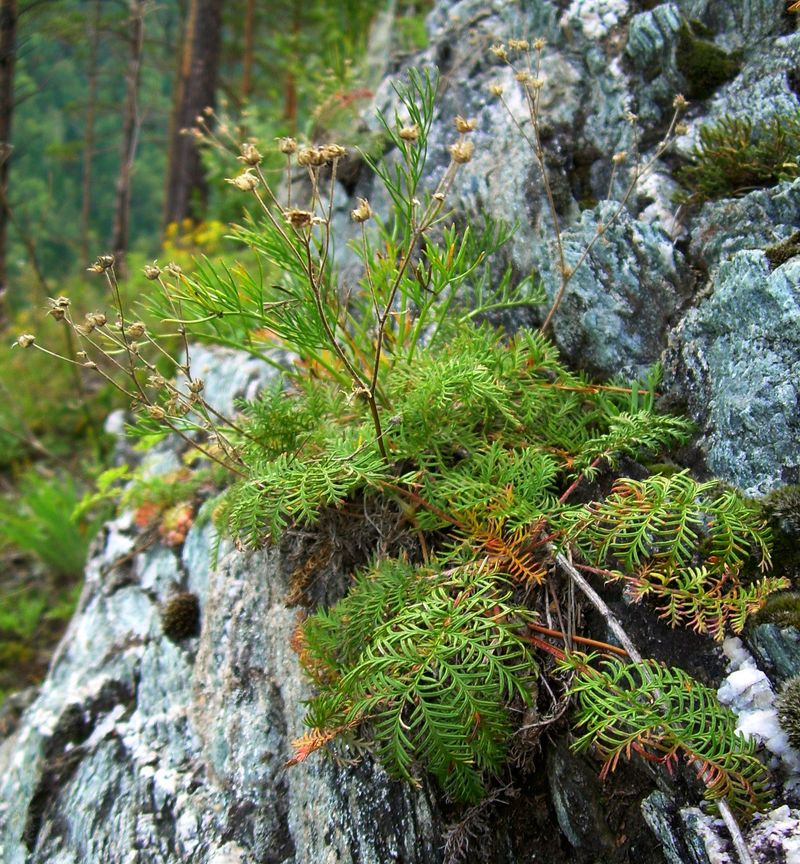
[(433, 680), (662, 713)]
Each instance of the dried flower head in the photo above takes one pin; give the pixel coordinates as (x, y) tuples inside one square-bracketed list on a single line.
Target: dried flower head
[(250, 154), (157, 380), (136, 330), (311, 157), (679, 103), (518, 44), (619, 158), (465, 126), (332, 152), (539, 44), (287, 145), (496, 89), (499, 51), (196, 385), (25, 340), (173, 269), (245, 182), (98, 319), (362, 212), (151, 271), (409, 133), (462, 151), (299, 218), (88, 325), (58, 307), (156, 412), (681, 129), (81, 355), (101, 264)]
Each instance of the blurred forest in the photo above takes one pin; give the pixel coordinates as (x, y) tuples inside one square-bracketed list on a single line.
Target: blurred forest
[(98, 103)]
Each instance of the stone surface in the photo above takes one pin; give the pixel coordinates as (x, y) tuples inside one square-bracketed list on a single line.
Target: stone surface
[(735, 361), (138, 749)]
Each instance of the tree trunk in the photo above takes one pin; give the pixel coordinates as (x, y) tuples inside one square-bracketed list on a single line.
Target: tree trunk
[(247, 63), (130, 134), (8, 48), (88, 133), (187, 192)]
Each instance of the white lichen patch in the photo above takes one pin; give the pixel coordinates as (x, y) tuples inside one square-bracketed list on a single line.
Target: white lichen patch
[(595, 18)]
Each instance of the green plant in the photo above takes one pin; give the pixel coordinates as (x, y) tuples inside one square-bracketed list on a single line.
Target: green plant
[(661, 713), (704, 66), (733, 157), (474, 442), (39, 520)]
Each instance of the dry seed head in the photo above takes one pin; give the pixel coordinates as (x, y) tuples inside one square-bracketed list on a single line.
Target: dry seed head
[(250, 154), (245, 182), (197, 385), (156, 412), (539, 44), (81, 355), (362, 212), (287, 145), (311, 157), (679, 103), (462, 151), (496, 89), (465, 126), (88, 325), (101, 264), (332, 152), (518, 44), (524, 77), (98, 318), (58, 307), (157, 380), (499, 51), (25, 340), (174, 269), (681, 129), (151, 271), (136, 330), (299, 218), (619, 158), (90, 364), (409, 133)]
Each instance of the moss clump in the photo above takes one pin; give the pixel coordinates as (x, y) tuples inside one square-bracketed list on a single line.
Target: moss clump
[(783, 504), (782, 609), (788, 705), (180, 616), (733, 158), (704, 66), (780, 253)]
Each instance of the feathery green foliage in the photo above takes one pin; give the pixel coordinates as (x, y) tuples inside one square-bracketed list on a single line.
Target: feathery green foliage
[(661, 714), (429, 659)]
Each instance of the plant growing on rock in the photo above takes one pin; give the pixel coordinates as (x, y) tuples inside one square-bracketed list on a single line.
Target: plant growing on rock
[(480, 444)]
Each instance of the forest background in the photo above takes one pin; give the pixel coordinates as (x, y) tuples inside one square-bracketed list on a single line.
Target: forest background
[(98, 103)]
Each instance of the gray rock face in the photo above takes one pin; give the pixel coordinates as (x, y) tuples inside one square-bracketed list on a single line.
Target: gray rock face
[(142, 750), (736, 360)]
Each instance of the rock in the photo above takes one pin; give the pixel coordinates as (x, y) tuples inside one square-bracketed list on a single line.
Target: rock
[(777, 649), (756, 221), (735, 361), (177, 751)]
